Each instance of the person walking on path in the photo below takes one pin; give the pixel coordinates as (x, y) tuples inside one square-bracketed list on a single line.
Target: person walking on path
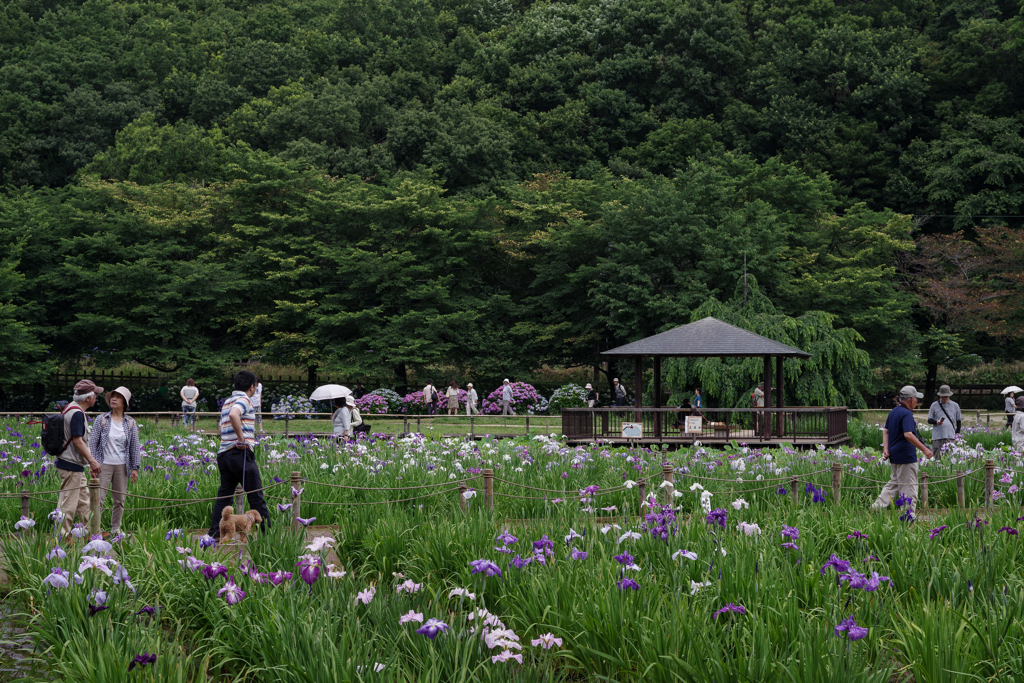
[(76, 456), (619, 391), (506, 399), (257, 405), (115, 441), (698, 398), (900, 444), (1017, 431), (471, 399), (592, 397), (946, 420), (430, 398), (452, 395), (189, 395), (757, 398), (342, 418), (236, 459), (1010, 408)]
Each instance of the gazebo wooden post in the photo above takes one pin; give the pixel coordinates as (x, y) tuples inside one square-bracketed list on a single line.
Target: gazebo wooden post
[(766, 423), (638, 388), (657, 397), (780, 429)]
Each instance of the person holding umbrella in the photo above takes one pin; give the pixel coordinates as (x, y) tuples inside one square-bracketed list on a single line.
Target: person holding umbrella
[(1009, 405), (341, 419)]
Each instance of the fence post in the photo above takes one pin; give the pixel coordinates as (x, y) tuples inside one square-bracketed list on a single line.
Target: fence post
[(94, 506), (990, 482), (527, 425), (24, 501), (960, 489), (837, 481), (405, 424), (977, 420), (296, 481), (472, 427), (793, 493), (642, 486), (462, 498), (419, 430), (489, 489), (988, 419), (239, 500), (924, 492), (286, 425), (156, 419), (668, 475)]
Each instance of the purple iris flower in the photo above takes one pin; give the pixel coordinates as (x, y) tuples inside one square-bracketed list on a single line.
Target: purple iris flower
[(874, 582), (841, 566), (850, 628), (1009, 530), (717, 516), (213, 570), (819, 496), (191, 488), (507, 538), (738, 609), (781, 491), (519, 562), (624, 558), (309, 569), (207, 541), (284, 507), (790, 532), (935, 532), (305, 522), (578, 554), (854, 578), (146, 610), (544, 542), (627, 583), (789, 546), (486, 567), (907, 516), (142, 660), (277, 578), (856, 534), (432, 628), (902, 500)]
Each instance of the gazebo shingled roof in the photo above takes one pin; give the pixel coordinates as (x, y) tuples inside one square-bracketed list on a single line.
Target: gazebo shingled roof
[(706, 338)]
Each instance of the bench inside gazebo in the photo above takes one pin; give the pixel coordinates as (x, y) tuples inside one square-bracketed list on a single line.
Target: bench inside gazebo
[(656, 425)]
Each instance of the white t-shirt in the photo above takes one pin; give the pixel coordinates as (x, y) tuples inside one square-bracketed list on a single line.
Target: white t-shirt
[(257, 398), (115, 446)]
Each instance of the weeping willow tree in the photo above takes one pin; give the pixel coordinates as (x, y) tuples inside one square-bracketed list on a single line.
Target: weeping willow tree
[(835, 374)]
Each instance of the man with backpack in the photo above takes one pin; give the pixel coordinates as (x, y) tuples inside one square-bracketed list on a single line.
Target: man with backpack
[(75, 455), (430, 398), (946, 420), (619, 391)]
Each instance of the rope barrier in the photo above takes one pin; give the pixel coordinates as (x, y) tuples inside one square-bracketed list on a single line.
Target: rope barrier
[(733, 481), (393, 488), (40, 493), (380, 502)]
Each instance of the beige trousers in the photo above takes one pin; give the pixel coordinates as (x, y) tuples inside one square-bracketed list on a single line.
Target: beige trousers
[(74, 497), (114, 478), (903, 480)]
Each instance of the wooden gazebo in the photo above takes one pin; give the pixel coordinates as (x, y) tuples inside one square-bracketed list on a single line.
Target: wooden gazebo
[(702, 339)]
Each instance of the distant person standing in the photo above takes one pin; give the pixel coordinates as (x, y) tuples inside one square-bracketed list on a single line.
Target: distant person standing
[(945, 418), (430, 398), (592, 397), (189, 395), (1010, 408), (115, 441), (698, 398), (236, 458), (1017, 431), (257, 405), (341, 420), (757, 398), (471, 399), (359, 391), (506, 399), (619, 391), (900, 444), (452, 394), (76, 456)]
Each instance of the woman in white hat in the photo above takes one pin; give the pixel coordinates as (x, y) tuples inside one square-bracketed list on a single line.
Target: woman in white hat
[(471, 399), (115, 444), (357, 420), (592, 396)]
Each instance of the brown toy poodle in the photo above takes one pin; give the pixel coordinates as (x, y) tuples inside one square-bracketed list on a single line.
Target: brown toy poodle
[(231, 524)]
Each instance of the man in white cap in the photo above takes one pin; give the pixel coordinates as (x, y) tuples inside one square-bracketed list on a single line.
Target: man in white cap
[(945, 418), (471, 399), (900, 444), (506, 399), (620, 392), (591, 396), (76, 456)]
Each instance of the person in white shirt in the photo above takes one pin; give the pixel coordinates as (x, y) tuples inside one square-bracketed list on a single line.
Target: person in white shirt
[(506, 399), (1010, 408), (945, 418), (342, 418), (257, 405), (189, 395), (452, 394), (357, 420), (471, 399), (115, 443), (430, 398), (1017, 431)]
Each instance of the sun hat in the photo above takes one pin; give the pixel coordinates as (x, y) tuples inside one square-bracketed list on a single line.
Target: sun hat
[(506, 380), (616, 379), (469, 385), (87, 386), (588, 386), (944, 390), (910, 392), (350, 401), (126, 394)]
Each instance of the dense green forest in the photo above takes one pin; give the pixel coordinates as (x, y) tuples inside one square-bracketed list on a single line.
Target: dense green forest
[(383, 185)]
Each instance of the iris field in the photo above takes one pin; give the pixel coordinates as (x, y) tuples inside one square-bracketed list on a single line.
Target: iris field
[(720, 577)]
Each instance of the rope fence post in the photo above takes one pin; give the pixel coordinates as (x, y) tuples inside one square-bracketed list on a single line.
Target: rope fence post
[(462, 497), (405, 424), (837, 481), (472, 427), (94, 506), (990, 482), (960, 489), (667, 474), (286, 425), (489, 490), (156, 419), (977, 419), (296, 481), (924, 492), (527, 425), (793, 493), (239, 500), (418, 429), (24, 501)]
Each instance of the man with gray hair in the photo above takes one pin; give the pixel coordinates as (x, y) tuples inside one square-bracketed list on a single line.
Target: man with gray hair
[(900, 444), (76, 456), (945, 418), (506, 399)]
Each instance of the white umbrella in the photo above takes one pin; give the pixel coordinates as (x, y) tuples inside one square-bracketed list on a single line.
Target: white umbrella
[(330, 391), (1015, 389)]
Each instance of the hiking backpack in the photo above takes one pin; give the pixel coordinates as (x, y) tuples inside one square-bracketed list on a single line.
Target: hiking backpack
[(52, 438)]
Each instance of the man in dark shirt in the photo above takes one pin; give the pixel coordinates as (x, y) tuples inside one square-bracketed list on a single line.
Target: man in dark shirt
[(900, 444)]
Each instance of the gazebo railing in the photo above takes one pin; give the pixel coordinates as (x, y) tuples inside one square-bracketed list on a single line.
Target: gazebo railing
[(822, 425)]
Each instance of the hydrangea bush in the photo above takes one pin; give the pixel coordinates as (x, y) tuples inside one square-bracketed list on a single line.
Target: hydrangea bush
[(524, 397), (393, 398), (568, 396), (373, 404), (289, 406)]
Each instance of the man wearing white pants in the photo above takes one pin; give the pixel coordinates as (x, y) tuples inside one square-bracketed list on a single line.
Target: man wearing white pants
[(900, 444), (471, 398), (506, 399)]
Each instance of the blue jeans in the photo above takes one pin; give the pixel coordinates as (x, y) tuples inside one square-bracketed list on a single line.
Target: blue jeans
[(186, 414)]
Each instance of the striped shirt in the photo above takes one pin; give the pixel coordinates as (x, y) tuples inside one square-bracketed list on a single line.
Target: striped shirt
[(246, 413)]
